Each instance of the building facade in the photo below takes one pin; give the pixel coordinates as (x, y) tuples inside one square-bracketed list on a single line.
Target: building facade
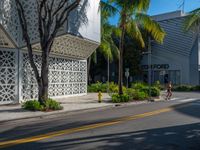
[(76, 41), (178, 58)]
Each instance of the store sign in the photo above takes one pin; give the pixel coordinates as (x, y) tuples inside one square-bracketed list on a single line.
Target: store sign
[(156, 66)]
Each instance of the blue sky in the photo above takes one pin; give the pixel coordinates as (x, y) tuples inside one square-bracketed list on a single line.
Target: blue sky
[(163, 6)]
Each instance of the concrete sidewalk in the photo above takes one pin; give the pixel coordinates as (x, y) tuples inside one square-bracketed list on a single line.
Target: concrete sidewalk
[(70, 104)]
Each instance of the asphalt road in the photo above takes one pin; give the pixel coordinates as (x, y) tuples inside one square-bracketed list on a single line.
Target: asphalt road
[(169, 125)]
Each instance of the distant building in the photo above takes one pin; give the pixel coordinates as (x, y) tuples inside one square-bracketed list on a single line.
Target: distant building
[(178, 58), (68, 63)]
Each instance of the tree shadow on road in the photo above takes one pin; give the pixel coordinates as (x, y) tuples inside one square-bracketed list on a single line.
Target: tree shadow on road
[(191, 109), (184, 137), (180, 137)]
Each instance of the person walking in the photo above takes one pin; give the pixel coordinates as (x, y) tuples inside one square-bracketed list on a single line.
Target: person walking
[(169, 91)]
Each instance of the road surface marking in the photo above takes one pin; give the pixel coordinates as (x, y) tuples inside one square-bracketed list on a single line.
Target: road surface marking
[(183, 100), (83, 128), (173, 99), (188, 100)]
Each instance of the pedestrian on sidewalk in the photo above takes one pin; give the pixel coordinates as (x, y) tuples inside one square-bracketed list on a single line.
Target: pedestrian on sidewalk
[(169, 91)]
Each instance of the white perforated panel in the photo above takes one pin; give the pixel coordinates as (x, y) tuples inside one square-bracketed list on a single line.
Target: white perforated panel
[(72, 46), (9, 19), (7, 76), (66, 77)]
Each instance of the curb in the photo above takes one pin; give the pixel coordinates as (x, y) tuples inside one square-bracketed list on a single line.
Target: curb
[(63, 113), (74, 112)]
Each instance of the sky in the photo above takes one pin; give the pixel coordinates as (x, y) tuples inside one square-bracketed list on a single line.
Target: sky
[(163, 6)]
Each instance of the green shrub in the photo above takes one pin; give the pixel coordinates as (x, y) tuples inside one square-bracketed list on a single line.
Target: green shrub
[(35, 105), (51, 104), (135, 94), (130, 92), (138, 85), (186, 88), (96, 87), (32, 105), (158, 85), (195, 88), (116, 98), (139, 95), (154, 91), (113, 88), (183, 88)]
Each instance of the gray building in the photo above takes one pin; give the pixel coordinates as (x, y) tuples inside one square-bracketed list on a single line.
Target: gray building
[(75, 42), (178, 58)]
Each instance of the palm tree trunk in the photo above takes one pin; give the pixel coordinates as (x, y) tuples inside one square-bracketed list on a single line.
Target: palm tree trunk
[(121, 50)]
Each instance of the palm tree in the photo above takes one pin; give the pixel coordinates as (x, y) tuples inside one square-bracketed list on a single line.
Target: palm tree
[(107, 47), (132, 17), (192, 21)]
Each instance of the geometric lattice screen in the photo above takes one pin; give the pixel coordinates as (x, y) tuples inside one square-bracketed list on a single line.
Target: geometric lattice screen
[(66, 77), (8, 78), (76, 47), (5, 40)]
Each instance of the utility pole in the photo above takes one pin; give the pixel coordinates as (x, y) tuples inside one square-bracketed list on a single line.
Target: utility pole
[(149, 53), (108, 79), (149, 68)]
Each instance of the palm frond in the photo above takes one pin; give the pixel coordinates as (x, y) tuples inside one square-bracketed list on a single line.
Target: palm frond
[(133, 31), (192, 20), (140, 5), (105, 49), (117, 32), (151, 26), (107, 10)]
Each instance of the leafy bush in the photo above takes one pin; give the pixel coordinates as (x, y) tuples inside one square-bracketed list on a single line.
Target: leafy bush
[(158, 85), (154, 91), (32, 105), (138, 85), (142, 88), (52, 105), (139, 95), (35, 105), (130, 92), (183, 88), (116, 98), (196, 88), (96, 87), (113, 88), (135, 94), (186, 88)]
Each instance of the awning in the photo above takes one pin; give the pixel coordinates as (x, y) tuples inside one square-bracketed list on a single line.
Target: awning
[(5, 39)]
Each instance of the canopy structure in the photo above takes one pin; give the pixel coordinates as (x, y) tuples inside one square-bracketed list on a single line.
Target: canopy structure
[(71, 46), (5, 40)]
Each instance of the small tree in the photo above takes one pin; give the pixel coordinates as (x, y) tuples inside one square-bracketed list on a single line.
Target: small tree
[(52, 14)]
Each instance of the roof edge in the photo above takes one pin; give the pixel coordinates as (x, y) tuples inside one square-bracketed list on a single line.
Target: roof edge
[(169, 15)]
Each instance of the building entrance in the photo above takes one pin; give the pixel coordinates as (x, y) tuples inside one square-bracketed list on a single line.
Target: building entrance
[(164, 76)]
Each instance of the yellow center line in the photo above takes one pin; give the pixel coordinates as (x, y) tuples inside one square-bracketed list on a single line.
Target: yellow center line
[(82, 128)]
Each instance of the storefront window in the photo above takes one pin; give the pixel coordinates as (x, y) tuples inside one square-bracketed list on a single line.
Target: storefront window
[(164, 76)]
